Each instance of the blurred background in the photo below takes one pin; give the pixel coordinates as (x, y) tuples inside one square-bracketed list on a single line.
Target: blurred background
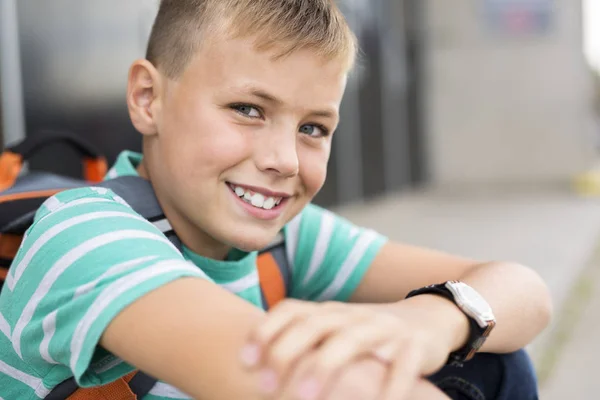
[(471, 126)]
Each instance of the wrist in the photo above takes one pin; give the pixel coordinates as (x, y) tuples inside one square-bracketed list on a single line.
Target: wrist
[(445, 319)]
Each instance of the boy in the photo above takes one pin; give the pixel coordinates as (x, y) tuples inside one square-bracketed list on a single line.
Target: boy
[(237, 102)]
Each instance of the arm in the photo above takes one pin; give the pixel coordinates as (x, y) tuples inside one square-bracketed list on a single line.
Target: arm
[(189, 334), (417, 334), (100, 275), (517, 295)]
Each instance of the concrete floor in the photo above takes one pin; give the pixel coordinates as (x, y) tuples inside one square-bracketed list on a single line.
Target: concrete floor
[(552, 230)]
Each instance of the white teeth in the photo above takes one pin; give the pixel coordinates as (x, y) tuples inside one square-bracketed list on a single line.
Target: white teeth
[(258, 200), (239, 191), (269, 203)]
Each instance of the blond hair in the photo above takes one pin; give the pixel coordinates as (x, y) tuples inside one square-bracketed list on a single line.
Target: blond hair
[(283, 26)]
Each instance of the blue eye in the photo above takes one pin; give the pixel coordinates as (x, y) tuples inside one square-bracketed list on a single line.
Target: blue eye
[(314, 130), (247, 110)]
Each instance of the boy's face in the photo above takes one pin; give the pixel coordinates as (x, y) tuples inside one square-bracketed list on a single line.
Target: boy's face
[(242, 142)]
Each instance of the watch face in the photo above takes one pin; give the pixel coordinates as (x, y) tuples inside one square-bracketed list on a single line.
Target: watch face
[(472, 303)]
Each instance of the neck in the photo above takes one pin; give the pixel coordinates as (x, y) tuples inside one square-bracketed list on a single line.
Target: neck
[(142, 170), (198, 242)]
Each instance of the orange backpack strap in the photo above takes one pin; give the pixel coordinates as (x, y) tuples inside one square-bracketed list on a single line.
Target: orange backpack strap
[(10, 168), (133, 386), (274, 273), (117, 390), (9, 246)]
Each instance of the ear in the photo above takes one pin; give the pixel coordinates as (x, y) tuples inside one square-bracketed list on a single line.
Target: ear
[(144, 96)]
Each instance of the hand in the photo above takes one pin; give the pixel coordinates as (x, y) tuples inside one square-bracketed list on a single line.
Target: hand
[(340, 334), (361, 380)]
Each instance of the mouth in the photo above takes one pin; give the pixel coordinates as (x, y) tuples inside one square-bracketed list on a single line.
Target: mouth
[(261, 203)]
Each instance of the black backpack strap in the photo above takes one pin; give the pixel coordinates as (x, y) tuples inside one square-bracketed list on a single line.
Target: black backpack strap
[(139, 194), (141, 384), (63, 390)]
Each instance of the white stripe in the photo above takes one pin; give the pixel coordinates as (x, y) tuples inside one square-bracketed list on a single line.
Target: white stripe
[(4, 326), (168, 391), (112, 174), (321, 246), (52, 204), (116, 289), (29, 380), (291, 239), (100, 190), (11, 281), (75, 203), (88, 287), (121, 201), (358, 251), (163, 225), (250, 280), (354, 231), (49, 326), (65, 262)]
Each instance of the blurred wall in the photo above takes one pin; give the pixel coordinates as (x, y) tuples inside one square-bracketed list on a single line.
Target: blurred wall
[(507, 105), (75, 59)]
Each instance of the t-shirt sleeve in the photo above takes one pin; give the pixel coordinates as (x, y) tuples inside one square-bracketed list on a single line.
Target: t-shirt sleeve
[(328, 255), (87, 256)]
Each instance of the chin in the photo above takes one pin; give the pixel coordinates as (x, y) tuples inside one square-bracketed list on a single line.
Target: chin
[(252, 242)]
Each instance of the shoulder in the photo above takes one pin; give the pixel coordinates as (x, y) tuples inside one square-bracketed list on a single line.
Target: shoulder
[(96, 196)]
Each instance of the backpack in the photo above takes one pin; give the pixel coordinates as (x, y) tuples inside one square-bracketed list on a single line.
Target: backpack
[(21, 194)]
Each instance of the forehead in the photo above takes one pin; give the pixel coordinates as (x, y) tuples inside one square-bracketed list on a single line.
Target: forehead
[(236, 63)]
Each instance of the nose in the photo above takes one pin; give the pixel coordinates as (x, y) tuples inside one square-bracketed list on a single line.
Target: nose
[(276, 153)]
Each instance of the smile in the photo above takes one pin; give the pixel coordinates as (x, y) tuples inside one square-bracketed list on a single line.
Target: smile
[(260, 202)]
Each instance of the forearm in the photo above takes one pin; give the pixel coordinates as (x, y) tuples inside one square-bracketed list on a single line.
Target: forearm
[(518, 297), (179, 336)]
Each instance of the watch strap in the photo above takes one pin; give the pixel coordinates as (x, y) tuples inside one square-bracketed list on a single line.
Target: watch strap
[(477, 334)]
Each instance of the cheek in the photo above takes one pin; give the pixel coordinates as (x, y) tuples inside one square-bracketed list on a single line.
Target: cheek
[(206, 145), (313, 168)]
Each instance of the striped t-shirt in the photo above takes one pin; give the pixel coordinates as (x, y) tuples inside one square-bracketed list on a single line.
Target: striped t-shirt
[(88, 255)]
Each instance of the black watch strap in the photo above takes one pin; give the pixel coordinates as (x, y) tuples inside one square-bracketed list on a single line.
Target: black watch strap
[(476, 333)]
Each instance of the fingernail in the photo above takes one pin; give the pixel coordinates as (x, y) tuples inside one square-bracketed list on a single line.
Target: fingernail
[(268, 381), (250, 355), (309, 389)]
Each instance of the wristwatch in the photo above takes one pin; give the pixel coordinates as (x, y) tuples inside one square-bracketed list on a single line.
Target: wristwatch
[(479, 312)]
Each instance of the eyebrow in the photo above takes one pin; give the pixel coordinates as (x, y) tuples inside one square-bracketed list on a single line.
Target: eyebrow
[(261, 94)]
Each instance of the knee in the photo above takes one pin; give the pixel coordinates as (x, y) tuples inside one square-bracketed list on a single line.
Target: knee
[(490, 377)]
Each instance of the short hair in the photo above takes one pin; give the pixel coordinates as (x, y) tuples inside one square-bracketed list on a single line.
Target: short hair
[(283, 26)]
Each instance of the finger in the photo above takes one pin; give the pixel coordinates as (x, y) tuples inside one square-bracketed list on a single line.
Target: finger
[(403, 373), (385, 353), (347, 346), (302, 337), (288, 389), (360, 380), (279, 319), (275, 323)]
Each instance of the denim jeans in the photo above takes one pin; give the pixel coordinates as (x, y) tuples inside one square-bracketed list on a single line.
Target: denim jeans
[(490, 377)]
